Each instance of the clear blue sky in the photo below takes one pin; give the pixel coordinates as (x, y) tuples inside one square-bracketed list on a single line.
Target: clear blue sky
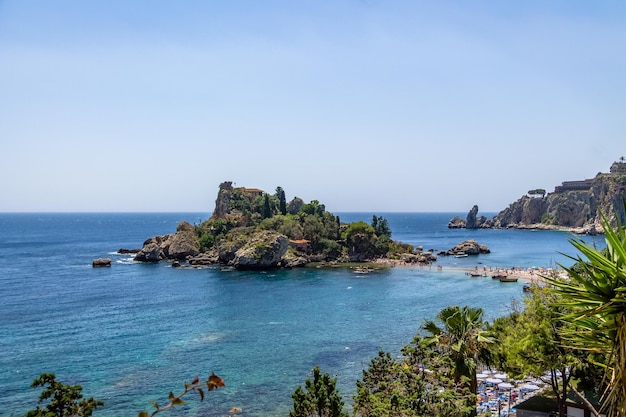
[(363, 105)]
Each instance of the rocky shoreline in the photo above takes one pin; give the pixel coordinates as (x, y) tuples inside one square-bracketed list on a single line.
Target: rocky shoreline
[(574, 206), (589, 228)]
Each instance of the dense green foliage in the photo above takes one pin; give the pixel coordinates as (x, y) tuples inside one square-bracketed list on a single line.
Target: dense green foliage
[(463, 337), (61, 400), (320, 398), (420, 383), (327, 239), (381, 226), (531, 343)]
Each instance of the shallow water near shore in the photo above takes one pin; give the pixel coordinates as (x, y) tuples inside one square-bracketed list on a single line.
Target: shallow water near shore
[(131, 333)]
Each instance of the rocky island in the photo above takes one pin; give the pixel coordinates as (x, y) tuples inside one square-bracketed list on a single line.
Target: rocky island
[(252, 229), (574, 205)]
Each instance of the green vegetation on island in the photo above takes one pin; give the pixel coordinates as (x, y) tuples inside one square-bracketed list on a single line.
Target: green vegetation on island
[(252, 229)]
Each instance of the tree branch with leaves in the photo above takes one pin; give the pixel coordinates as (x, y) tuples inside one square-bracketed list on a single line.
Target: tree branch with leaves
[(212, 382)]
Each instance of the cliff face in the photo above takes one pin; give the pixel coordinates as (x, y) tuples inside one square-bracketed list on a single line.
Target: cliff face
[(222, 202), (576, 209)]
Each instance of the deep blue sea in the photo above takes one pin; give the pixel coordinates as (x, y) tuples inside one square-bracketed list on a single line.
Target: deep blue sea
[(132, 333)]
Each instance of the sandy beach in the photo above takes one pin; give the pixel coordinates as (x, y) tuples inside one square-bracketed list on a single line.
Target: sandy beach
[(528, 275)]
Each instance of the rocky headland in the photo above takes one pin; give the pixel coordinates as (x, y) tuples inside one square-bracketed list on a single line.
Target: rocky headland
[(576, 206)]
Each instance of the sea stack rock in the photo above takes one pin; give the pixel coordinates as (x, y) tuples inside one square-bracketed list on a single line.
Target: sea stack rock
[(470, 222)]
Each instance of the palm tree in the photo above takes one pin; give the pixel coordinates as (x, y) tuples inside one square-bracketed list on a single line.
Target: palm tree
[(596, 291), (464, 338)]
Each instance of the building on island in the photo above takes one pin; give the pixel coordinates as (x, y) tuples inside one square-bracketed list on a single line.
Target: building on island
[(254, 192), (583, 185), (618, 167)]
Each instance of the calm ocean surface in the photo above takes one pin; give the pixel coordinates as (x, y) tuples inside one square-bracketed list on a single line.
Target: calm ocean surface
[(132, 333)]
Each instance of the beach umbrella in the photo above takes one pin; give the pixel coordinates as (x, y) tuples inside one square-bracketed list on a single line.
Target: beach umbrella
[(530, 387), (501, 376), (494, 380), (482, 375), (505, 385)]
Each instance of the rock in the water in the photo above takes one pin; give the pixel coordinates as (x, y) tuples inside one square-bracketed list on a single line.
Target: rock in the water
[(177, 246), (472, 221), (151, 251), (418, 258), (456, 223), (468, 247), (101, 262), (124, 251)]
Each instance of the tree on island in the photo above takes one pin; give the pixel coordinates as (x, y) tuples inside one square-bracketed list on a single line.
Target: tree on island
[(282, 202), (381, 226), (267, 210)]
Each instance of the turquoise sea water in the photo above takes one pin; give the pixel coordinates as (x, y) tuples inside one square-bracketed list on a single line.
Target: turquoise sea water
[(131, 333)]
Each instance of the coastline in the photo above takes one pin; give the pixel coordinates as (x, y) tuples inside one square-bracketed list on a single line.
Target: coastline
[(528, 275)]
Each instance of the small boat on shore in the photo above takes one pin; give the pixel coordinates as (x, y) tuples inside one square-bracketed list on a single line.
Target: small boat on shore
[(498, 276), (461, 255), (508, 279), (475, 274)]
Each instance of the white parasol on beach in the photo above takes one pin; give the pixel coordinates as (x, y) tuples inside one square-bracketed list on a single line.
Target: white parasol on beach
[(482, 375), (501, 376), (494, 380), (505, 385), (530, 387)]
